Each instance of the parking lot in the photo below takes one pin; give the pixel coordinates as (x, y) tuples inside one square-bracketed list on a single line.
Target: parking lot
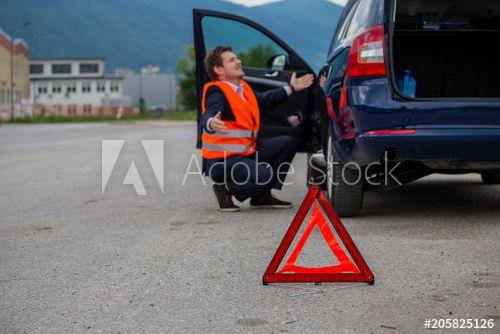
[(74, 260)]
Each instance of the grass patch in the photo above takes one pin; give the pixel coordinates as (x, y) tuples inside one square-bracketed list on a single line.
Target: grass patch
[(169, 116), (180, 116)]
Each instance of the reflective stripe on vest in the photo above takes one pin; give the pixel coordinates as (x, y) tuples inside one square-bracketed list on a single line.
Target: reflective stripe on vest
[(226, 147), (232, 134)]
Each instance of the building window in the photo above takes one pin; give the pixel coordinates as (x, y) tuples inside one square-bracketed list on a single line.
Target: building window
[(101, 86), (70, 87), (114, 86), (86, 87), (72, 109), (56, 87), (61, 68), (89, 68), (87, 109), (42, 89), (36, 69)]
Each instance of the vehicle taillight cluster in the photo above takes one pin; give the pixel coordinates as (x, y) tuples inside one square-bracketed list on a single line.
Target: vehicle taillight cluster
[(367, 54)]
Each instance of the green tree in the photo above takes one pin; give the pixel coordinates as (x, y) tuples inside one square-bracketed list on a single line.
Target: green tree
[(186, 67), (257, 56)]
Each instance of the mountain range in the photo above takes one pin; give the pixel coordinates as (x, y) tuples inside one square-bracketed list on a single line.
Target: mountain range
[(135, 33)]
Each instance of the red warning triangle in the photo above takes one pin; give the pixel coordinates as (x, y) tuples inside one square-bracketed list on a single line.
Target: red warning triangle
[(317, 220), (344, 271)]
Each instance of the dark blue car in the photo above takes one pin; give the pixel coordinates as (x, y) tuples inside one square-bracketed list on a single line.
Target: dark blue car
[(409, 88)]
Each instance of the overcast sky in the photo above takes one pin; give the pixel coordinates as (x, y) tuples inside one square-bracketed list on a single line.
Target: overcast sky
[(253, 3)]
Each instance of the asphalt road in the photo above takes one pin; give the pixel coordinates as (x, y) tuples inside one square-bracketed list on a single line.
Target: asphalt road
[(73, 260)]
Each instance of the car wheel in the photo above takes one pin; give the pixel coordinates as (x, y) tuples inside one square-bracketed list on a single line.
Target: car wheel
[(491, 177), (344, 193)]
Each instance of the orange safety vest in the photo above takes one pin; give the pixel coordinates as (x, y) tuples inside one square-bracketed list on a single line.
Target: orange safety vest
[(242, 134)]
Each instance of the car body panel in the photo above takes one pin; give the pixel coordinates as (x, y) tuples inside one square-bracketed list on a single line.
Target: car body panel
[(446, 129)]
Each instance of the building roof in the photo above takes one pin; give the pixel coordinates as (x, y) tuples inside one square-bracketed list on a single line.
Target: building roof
[(5, 40), (66, 58), (4, 34), (74, 78), (20, 41)]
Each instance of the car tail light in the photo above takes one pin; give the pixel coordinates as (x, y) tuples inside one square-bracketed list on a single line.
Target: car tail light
[(367, 54)]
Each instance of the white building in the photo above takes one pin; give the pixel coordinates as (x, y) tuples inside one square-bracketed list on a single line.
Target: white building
[(75, 86)]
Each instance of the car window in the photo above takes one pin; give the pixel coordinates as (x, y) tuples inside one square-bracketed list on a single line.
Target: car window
[(339, 65), (253, 47), (344, 27), (359, 19)]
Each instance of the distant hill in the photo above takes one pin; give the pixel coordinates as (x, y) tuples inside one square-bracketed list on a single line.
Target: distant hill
[(134, 33)]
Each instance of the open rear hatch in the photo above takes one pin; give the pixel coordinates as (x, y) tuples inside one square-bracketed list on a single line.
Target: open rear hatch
[(446, 49)]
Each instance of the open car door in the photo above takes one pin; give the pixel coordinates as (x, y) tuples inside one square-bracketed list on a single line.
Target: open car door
[(268, 63)]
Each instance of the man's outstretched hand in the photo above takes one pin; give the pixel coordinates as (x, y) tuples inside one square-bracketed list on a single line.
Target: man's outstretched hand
[(301, 83), (217, 125)]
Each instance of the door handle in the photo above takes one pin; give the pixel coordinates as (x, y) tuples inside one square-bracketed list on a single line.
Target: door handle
[(271, 75)]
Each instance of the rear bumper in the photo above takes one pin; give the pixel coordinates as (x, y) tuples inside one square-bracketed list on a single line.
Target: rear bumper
[(461, 144)]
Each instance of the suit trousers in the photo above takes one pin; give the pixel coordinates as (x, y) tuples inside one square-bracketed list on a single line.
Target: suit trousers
[(258, 173)]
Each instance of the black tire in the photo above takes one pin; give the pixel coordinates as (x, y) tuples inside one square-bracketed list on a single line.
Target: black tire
[(491, 177), (344, 193)]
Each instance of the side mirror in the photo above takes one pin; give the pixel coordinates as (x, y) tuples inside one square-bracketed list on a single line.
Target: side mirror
[(277, 62)]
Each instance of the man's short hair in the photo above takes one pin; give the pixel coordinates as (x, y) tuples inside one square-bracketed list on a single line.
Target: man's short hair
[(214, 59)]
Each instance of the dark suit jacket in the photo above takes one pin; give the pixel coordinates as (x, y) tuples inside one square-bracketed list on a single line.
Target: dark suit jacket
[(216, 101)]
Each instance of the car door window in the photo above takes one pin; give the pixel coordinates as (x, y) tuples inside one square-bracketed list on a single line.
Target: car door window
[(268, 64), (252, 47)]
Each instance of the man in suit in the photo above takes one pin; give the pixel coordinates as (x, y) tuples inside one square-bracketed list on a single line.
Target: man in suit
[(240, 163)]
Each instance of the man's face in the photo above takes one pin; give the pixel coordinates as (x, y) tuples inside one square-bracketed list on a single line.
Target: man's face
[(231, 67)]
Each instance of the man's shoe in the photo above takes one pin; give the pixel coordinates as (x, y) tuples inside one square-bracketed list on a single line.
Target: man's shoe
[(224, 199), (269, 201)]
